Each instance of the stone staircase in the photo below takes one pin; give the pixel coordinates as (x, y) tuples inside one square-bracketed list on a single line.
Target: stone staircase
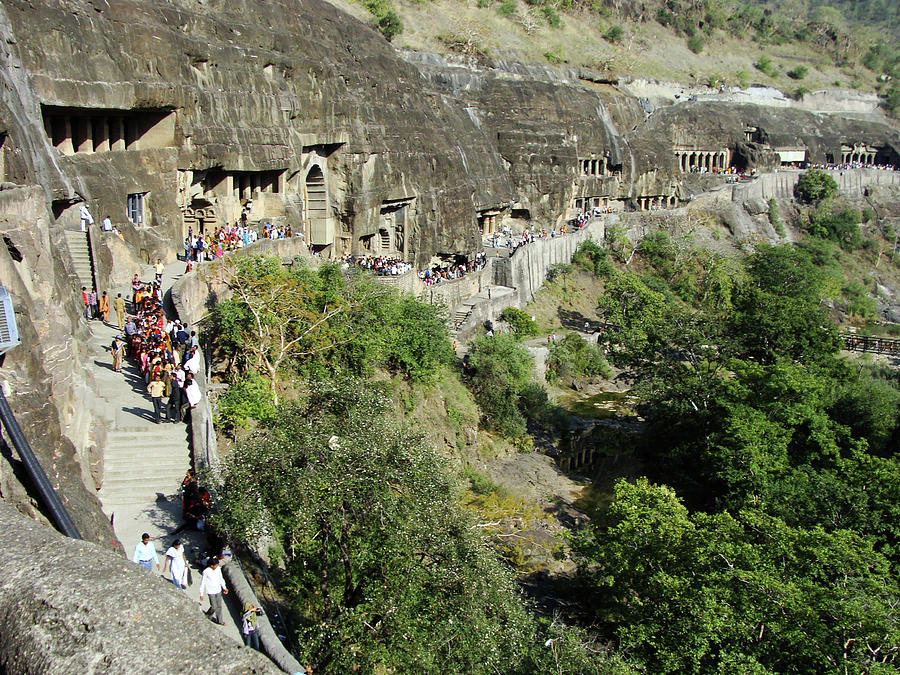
[(460, 315), (140, 464), (80, 250)]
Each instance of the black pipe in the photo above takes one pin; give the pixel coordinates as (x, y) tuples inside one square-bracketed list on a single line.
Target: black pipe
[(52, 503)]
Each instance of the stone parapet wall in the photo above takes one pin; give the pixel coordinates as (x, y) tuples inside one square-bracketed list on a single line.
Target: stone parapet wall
[(526, 270), (780, 185)]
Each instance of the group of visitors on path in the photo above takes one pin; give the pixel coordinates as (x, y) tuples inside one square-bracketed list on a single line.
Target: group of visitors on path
[(382, 266), (216, 553), (439, 274), (231, 237), (167, 355)]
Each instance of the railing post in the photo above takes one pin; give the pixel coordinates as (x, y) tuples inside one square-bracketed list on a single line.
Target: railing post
[(51, 500)]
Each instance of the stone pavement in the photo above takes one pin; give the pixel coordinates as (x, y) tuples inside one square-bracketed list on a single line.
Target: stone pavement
[(144, 462)]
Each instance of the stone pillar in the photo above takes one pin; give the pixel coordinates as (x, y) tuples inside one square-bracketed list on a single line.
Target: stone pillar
[(101, 135), (64, 145)]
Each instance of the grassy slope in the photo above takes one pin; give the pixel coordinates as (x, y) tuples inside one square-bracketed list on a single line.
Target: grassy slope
[(646, 50)]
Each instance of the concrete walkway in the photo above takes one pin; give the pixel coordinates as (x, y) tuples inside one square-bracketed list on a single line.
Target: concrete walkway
[(144, 462)]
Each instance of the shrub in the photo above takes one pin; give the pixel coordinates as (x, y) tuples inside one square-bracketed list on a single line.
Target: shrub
[(390, 25), (841, 228), (764, 65), (614, 34), (775, 217), (743, 78), (558, 270), (696, 43), (573, 356), (521, 323), (248, 399), (552, 17), (892, 100), (507, 8), (591, 257), (664, 17), (798, 73), (814, 186)]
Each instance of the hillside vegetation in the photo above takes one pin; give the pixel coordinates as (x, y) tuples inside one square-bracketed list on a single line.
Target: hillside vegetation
[(795, 45)]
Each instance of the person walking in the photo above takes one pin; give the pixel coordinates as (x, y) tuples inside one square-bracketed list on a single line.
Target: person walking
[(119, 306), (118, 352), (177, 564), (159, 268), (213, 585), (155, 388), (145, 553), (104, 307)]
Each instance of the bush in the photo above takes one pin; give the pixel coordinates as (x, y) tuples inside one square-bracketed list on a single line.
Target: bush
[(841, 228), (248, 399), (500, 369), (591, 257), (573, 356), (798, 73), (507, 8), (764, 65), (775, 217), (552, 17), (814, 186), (614, 34), (521, 323), (743, 78), (390, 25), (696, 43)]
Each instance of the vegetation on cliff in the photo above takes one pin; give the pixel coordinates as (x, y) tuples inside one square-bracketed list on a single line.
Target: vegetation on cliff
[(796, 46)]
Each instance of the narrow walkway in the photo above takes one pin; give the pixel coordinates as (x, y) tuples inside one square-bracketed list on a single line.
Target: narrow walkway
[(144, 462)]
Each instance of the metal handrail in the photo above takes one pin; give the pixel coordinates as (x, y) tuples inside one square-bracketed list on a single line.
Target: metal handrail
[(47, 494)]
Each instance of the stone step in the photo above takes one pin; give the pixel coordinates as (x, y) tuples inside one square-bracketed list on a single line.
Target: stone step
[(114, 500)]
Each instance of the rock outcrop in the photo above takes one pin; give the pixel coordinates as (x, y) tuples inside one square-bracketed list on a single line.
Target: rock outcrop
[(71, 607)]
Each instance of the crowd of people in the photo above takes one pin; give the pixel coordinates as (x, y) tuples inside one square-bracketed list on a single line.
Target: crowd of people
[(382, 266), (514, 242), (852, 165), (439, 274), (199, 246), (164, 350)]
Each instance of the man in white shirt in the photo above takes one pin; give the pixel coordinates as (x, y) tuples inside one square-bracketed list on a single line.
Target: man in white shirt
[(86, 217), (145, 553), (107, 224), (213, 585)]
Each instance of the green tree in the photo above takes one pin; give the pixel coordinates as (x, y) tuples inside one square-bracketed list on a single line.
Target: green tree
[(500, 372), (702, 593), (574, 357), (383, 570), (521, 323), (696, 43), (814, 186), (614, 34)]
